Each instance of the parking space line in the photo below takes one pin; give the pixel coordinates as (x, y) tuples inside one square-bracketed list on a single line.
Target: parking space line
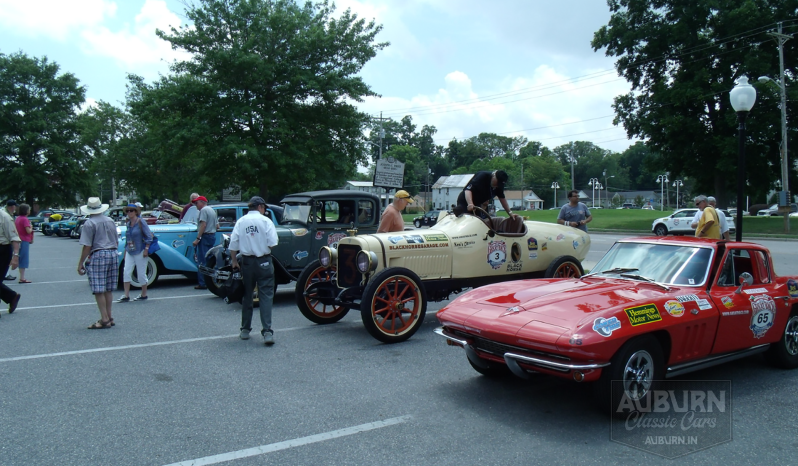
[(272, 447), (15, 283), (94, 303), (124, 347)]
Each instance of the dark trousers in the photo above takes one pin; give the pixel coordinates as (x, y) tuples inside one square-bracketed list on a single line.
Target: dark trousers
[(257, 271), (6, 253), (205, 244)]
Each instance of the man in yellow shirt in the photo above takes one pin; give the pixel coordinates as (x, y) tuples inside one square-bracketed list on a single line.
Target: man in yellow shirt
[(709, 225)]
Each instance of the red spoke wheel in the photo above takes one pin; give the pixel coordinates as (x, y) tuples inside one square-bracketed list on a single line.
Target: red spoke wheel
[(313, 309), (564, 267), (394, 305)]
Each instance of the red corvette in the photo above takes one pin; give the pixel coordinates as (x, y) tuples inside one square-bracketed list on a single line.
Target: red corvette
[(652, 308)]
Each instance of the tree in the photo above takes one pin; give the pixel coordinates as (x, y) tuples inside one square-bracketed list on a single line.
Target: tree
[(682, 58), (102, 129), (42, 160), (268, 91)]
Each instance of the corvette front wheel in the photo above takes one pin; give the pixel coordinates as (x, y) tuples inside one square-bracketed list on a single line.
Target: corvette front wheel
[(564, 267), (631, 376), (394, 305)]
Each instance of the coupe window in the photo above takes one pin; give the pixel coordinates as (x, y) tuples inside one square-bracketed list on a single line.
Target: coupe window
[(296, 213), (667, 264)]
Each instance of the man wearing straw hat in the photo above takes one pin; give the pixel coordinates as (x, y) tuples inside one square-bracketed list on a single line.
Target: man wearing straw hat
[(99, 259)]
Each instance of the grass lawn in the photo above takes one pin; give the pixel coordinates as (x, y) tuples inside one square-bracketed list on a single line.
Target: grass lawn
[(639, 220)]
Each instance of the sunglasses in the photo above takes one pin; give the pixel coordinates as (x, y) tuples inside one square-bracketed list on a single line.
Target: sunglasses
[(127, 211)]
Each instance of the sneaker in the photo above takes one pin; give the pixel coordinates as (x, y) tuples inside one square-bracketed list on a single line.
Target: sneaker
[(123, 299), (140, 298), (10, 277), (244, 335), (268, 337)]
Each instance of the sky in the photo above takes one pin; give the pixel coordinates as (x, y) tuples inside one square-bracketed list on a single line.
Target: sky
[(511, 67)]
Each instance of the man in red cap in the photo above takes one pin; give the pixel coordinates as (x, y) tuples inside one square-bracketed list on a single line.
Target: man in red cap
[(206, 235)]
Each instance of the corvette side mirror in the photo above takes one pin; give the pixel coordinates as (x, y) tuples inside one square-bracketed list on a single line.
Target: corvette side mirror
[(745, 280)]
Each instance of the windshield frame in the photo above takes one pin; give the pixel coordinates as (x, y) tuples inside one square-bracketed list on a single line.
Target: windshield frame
[(607, 263)]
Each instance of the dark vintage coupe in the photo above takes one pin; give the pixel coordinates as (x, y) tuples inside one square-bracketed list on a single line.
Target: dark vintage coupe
[(653, 308)]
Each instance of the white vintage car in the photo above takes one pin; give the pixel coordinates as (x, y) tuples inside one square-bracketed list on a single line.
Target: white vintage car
[(390, 277), (679, 223)]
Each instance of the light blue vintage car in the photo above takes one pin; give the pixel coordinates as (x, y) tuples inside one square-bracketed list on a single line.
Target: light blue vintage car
[(176, 256)]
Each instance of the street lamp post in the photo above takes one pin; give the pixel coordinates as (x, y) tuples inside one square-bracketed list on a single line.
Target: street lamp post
[(599, 188), (662, 180), (555, 186), (607, 187), (742, 97), (677, 184), (594, 182)]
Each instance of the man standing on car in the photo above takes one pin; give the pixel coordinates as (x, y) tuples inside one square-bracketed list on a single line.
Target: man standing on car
[(724, 225), (709, 225), (255, 236), (575, 214), (391, 219), (481, 189), (206, 236), (9, 257)]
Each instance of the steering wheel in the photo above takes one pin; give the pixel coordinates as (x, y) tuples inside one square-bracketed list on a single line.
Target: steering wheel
[(485, 220)]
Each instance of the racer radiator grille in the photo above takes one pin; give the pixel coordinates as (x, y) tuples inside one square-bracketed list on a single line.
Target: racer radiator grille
[(348, 274)]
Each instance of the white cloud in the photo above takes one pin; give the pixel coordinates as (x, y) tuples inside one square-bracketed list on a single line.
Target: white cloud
[(57, 19)]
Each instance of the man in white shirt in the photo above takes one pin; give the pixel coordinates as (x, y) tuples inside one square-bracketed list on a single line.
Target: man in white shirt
[(255, 236), (724, 225)]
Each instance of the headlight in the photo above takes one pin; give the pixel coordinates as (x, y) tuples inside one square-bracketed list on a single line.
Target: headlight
[(327, 256), (366, 261)]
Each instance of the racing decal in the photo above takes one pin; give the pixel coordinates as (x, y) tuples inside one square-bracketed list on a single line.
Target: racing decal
[(319, 234), (560, 237), (674, 308), (177, 243), (533, 255), (575, 341), (299, 255), (763, 313), (584, 240), (544, 246), (532, 244), (395, 239), (419, 246), (299, 232), (792, 288), (414, 239), (727, 301), (576, 244), (497, 254), (645, 314), (690, 281), (676, 222), (464, 244), (704, 304), (735, 313), (755, 291), (333, 239), (436, 238), (464, 236), (687, 297), (515, 255), (605, 327)]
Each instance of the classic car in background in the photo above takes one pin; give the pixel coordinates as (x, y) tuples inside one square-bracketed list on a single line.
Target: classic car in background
[(429, 219), (389, 277), (43, 215), (55, 219), (679, 223), (309, 221), (63, 228), (654, 308), (176, 255), (75, 233)]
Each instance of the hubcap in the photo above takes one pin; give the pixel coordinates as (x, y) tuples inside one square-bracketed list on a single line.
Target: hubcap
[(791, 336), (396, 305), (638, 375)]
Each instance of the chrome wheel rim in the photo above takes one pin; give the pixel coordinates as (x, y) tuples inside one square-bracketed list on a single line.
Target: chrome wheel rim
[(791, 336), (638, 375)]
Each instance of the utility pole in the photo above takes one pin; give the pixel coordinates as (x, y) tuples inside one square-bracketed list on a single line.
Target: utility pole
[(379, 157), (785, 168), (573, 183)]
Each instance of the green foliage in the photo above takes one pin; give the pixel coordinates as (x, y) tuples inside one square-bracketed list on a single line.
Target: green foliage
[(41, 156)]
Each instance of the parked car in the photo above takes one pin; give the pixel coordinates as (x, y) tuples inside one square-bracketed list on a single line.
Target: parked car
[(75, 233), (65, 227), (310, 221), (653, 309), (648, 207), (427, 220), (176, 255), (42, 217), (680, 223), (47, 227), (773, 211), (390, 277)]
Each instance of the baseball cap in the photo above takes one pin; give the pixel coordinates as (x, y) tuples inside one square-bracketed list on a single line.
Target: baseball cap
[(201, 198), (256, 201), (502, 176), (402, 194), (11, 202)]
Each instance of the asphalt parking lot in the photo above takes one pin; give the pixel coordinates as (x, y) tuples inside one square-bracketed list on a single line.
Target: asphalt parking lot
[(172, 383)]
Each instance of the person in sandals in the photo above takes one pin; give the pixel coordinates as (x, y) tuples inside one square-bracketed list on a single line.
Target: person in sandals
[(98, 258), (138, 239)]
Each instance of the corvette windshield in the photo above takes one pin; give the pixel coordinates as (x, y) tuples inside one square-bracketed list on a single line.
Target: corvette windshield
[(667, 264)]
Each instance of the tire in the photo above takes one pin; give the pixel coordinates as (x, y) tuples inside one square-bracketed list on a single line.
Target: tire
[(214, 286), (60, 233), (417, 224), (564, 267), (314, 310), (47, 232), (384, 309), (494, 369), (152, 272), (784, 353), (661, 230), (635, 368)]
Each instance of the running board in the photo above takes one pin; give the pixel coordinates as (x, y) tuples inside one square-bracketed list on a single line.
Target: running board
[(691, 366)]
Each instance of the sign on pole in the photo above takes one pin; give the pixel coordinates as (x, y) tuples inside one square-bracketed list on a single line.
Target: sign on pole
[(390, 173)]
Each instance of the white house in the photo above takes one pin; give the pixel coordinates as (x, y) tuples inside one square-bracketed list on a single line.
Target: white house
[(446, 190)]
